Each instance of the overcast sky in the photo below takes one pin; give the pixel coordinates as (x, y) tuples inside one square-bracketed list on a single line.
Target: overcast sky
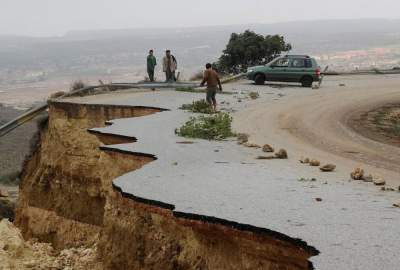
[(55, 17)]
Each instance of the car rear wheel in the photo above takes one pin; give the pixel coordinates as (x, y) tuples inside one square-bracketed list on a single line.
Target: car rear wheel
[(306, 81), (259, 79)]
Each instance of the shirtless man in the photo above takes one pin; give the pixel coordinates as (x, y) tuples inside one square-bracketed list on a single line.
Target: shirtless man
[(213, 84)]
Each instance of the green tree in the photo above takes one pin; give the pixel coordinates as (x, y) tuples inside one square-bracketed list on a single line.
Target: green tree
[(248, 48)]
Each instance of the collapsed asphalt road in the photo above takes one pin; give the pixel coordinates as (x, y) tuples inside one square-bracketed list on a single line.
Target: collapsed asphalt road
[(353, 224)]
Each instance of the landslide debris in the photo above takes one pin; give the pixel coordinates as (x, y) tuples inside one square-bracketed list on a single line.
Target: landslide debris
[(16, 253)]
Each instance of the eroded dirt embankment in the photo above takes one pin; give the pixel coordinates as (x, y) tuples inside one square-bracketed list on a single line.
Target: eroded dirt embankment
[(381, 123), (67, 199)]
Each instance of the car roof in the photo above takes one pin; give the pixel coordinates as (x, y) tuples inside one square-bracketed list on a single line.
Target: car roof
[(295, 56)]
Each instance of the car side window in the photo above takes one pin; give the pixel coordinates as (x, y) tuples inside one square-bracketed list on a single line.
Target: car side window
[(308, 63), (284, 62), (298, 63)]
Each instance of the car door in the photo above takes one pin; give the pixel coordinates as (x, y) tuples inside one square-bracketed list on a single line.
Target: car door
[(278, 70), (296, 70)]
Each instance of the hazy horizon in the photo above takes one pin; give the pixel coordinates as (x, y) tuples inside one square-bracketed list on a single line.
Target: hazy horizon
[(56, 18)]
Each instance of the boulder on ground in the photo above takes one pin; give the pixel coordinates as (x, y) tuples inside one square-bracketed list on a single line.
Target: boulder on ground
[(242, 138), (328, 168), (3, 193), (315, 163), (281, 154), (251, 145), (268, 148), (379, 181), (304, 160), (368, 178), (357, 174), (265, 157), (6, 209), (397, 205)]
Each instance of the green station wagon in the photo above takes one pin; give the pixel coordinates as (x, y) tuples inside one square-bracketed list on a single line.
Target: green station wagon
[(289, 68)]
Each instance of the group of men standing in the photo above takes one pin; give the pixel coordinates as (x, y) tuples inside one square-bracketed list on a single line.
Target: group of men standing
[(170, 65)]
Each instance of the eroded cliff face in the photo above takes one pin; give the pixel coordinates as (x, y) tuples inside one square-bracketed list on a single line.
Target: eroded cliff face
[(67, 199)]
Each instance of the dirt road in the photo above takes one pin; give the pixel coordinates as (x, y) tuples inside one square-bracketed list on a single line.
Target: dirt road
[(316, 123)]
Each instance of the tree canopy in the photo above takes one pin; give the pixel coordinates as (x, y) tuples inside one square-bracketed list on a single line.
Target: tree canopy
[(248, 49)]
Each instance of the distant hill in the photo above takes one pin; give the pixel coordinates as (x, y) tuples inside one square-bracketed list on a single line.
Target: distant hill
[(97, 51)]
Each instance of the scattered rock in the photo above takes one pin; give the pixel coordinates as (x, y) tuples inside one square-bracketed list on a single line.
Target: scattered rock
[(369, 178), (304, 160), (397, 205), (242, 138), (216, 150), (4, 193), (251, 145), (254, 95), (357, 174), (185, 142), (16, 253), (6, 209), (282, 154), (268, 148), (328, 168), (318, 199), (315, 163), (389, 189), (379, 181), (307, 180), (266, 157), (342, 84), (175, 164)]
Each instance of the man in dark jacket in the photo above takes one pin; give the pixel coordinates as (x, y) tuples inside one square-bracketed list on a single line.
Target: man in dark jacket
[(151, 64)]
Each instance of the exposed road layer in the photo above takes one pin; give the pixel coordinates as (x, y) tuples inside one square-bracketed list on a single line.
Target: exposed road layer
[(317, 123)]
